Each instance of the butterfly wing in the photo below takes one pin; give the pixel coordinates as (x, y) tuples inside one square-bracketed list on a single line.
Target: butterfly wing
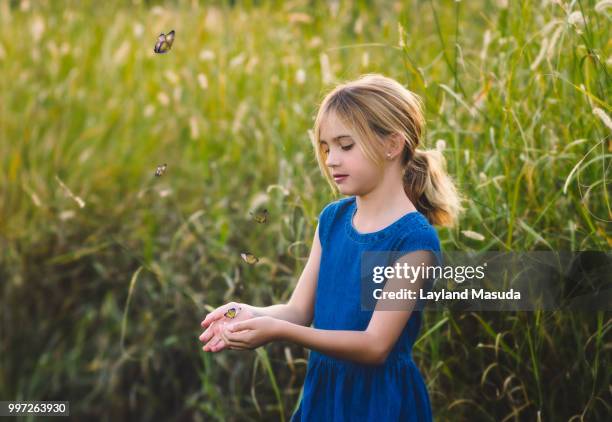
[(264, 216), (160, 170), (161, 46), (249, 258), (158, 44), (260, 217), (170, 38)]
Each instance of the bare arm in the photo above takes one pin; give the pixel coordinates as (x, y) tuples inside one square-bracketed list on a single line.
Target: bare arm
[(279, 311), (358, 346), (300, 308), (373, 345)]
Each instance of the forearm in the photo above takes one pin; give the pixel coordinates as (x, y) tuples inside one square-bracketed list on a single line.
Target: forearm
[(357, 346), (280, 311)]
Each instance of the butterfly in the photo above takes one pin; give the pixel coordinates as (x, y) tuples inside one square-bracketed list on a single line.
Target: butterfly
[(231, 312), (161, 169), (260, 216), (249, 258), (164, 42)]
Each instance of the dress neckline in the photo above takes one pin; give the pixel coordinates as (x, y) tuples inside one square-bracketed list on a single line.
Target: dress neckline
[(360, 237)]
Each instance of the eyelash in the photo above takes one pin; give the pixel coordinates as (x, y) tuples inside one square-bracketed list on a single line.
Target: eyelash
[(344, 148)]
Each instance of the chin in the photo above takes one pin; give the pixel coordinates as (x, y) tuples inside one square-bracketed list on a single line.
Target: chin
[(350, 189), (344, 190), (358, 191)]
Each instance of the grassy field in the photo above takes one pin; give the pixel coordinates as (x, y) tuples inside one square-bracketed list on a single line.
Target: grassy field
[(102, 292)]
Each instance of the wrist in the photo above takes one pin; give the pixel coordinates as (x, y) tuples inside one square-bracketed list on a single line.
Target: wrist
[(280, 329), (252, 310)]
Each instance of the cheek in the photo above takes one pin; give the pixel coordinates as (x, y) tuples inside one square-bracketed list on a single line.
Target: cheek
[(356, 161), (365, 168)]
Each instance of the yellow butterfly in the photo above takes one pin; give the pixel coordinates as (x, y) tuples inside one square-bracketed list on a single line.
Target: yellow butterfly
[(260, 216), (232, 312), (161, 169), (249, 258), (164, 42)]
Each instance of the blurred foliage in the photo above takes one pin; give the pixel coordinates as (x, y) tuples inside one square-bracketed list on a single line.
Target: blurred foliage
[(516, 95)]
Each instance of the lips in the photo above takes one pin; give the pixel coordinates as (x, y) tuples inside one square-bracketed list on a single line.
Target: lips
[(340, 177)]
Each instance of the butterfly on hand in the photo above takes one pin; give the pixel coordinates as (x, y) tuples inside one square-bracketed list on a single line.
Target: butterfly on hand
[(161, 169), (231, 312), (164, 42)]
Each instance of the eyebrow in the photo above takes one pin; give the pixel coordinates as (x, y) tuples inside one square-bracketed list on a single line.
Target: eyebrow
[(335, 138)]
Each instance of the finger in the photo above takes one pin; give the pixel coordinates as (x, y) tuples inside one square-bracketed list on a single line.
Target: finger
[(209, 347), (213, 316), (206, 348), (236, 346), (226, 340), (210, 333), (241, 338), (223, 337), (241, 325), (236, 342), (212, 342), (206, 335), (220, 346)]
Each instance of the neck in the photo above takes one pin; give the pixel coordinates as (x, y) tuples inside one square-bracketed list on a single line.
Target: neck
[(388, 199)]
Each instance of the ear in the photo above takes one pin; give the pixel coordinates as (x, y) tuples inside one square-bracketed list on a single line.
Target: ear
[(396, 144)]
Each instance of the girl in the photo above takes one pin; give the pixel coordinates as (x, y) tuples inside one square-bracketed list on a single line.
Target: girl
[(360, 367)]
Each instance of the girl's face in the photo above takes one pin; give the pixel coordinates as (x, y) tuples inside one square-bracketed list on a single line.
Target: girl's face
[(353, 172)]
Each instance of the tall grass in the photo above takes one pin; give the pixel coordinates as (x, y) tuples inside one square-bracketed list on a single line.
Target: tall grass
[(101, 304)]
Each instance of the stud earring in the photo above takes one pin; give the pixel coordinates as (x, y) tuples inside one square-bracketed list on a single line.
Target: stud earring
[(388, 155)]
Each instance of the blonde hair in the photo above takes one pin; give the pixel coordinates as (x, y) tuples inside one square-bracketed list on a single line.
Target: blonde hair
[(375, 107)]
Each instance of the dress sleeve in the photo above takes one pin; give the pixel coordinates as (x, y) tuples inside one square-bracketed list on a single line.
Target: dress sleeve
[(325, 218), (425, 238)]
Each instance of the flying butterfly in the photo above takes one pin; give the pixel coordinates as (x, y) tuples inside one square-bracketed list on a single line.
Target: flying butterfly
[(232, 312), (164, 42), (260, 216), (249, 258), (161, 169)]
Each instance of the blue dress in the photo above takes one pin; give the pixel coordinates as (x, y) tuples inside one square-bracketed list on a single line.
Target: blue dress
[(342, 390)]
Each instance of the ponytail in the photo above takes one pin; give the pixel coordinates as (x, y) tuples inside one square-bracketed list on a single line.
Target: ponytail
[(430, 188)]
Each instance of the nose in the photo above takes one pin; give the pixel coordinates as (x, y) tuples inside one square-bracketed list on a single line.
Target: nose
[(332, 159)]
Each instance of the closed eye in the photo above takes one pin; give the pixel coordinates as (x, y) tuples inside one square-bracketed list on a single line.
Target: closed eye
[(347, 147)]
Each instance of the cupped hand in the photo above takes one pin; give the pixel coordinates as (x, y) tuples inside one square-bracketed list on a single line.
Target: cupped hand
[(250, 334), (215, 322)]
